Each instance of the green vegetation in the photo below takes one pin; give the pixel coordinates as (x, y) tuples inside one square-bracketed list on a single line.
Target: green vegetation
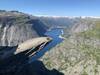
[(84, 73), (82, 46), (95, 32), (91, 52)]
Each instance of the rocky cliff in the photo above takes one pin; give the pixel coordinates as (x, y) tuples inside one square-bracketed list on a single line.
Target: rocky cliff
[(16, 27)]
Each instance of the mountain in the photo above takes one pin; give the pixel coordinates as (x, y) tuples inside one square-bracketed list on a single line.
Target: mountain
[(16, 27), (59, 21), (78, 54)]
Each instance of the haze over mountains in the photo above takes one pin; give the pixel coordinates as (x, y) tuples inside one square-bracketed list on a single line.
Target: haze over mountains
[(79, 54)]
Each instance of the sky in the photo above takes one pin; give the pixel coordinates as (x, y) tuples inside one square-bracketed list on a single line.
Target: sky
[(53, 7)]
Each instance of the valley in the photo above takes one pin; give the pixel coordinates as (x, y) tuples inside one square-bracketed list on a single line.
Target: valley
[(78, 54)]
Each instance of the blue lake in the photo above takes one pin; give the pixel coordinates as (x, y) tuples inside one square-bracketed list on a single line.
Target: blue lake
[(55, 35)]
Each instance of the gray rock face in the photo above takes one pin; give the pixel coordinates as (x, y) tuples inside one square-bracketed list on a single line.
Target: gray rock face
[(14, 34), (83, 25), (18, 27)]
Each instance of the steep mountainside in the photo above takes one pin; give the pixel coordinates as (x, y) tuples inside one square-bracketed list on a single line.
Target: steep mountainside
[(16, 27), (61, 22), (79, 54)]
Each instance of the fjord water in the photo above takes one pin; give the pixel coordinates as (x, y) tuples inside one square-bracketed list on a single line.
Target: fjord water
[(55, 35)]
